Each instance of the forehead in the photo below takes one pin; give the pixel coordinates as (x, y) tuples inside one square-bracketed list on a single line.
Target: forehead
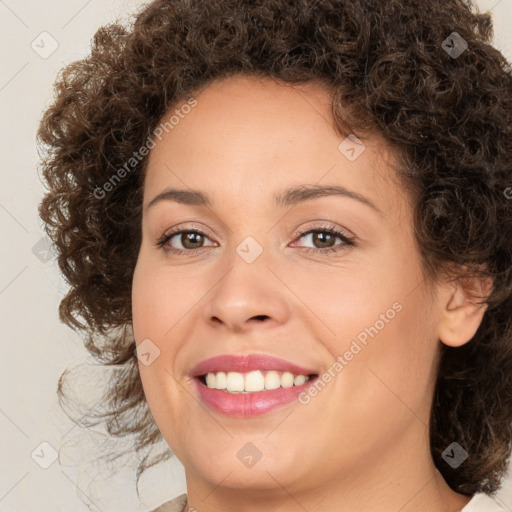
[(251, 137)]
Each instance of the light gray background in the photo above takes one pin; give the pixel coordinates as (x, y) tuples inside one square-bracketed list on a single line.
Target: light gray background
[(35, 346)]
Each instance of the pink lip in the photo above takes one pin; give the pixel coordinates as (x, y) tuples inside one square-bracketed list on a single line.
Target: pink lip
[(244, 405), (242, 364)]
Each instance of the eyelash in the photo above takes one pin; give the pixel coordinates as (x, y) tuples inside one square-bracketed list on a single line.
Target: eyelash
[(347, 241)]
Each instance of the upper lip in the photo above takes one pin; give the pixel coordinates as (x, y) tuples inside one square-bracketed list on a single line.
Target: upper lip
[(247, 363)]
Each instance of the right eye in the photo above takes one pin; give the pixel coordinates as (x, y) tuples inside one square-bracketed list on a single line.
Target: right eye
[(187, 238)]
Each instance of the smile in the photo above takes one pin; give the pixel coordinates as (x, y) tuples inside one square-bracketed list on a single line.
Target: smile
[(257, 380), (250, 385)]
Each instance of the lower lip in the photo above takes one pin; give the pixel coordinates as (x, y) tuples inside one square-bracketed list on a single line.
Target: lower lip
[(244, 405)]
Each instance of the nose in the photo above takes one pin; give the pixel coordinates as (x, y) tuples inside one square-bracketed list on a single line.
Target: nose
[(248, 295)]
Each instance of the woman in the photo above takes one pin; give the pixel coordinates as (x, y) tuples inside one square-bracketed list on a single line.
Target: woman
[(298, 213)]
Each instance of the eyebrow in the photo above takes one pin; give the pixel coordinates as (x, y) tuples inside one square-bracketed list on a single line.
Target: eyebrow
[(288, 197)]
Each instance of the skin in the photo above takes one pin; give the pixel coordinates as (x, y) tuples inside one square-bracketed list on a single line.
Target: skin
[(362, 443)]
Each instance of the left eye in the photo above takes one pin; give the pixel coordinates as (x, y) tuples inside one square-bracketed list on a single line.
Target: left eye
[(326, 238)]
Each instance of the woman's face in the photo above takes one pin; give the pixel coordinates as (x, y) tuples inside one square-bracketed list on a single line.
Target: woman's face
[(352, 309)]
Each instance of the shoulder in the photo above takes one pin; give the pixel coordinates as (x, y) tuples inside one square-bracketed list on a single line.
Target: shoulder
[(175, 505), (483, 503)]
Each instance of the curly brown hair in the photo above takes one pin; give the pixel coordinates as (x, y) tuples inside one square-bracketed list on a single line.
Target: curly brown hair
[(389, 69)]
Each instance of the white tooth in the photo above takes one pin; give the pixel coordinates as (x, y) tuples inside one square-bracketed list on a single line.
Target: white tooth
[(254, 381), (210, 380), (287, 380), (235, 381), (221, 381), (272, 380), (299, 380)]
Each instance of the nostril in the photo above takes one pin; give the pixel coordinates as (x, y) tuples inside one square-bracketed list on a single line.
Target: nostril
[(260, 317)]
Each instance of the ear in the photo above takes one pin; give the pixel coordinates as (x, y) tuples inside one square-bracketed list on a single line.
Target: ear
[(462, 310)]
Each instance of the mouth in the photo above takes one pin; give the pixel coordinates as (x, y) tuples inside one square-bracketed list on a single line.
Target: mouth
[(251, 385), (254, 381)]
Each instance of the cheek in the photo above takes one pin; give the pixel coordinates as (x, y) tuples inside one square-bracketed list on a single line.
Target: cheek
[(350, 302), (403, 354), (141, 295), (161, 298), (390, 378), (382, 323)]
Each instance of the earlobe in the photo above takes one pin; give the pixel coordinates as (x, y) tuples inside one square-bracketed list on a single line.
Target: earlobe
[(462, 309)]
